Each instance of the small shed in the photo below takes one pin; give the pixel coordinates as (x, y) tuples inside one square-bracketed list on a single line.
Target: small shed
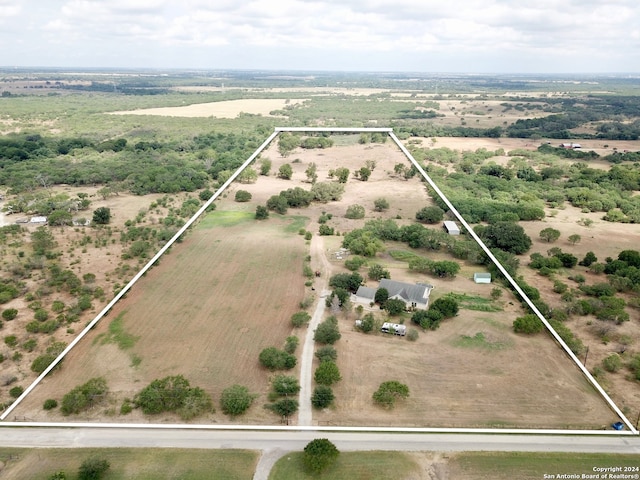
[(451, 227), (481, 277)]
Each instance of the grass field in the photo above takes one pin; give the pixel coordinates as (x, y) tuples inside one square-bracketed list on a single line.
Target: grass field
[(534, 466), (350, 465), (132, 464)]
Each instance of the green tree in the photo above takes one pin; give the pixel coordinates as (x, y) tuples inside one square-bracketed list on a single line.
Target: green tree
[(394, 306), (284, 407), (549, 234), (248, 175), (312, 173), (507, 236), (448, 306), (389, 392), (377, 271), (285, 171), (236, 400), (327, 373), (278, 203), (327, 332), (60, 217), (285, 385), (287, 143), (242, 196), (380, 204), (354, 263), (433, 214), (574, 239), (265, 166), (355, 212), (275, 359), (93, 468), (381, 296), (319, 454), (322, 397), (367, 323), (101, 216), (262, 212)]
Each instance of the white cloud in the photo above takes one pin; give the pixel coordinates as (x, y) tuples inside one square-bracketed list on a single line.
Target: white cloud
[(546, 31)]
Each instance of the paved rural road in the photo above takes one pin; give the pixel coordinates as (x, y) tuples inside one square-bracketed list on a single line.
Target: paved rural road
[(169, 436)]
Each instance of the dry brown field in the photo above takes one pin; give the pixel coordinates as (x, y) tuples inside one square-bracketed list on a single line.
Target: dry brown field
[(210, 306), (205, 312)]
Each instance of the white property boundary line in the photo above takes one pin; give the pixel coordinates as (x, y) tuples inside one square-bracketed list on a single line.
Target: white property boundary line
[(134, 280)]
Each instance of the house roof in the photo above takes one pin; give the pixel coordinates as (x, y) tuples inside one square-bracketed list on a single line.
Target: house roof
[(366, 292), (418, 293)]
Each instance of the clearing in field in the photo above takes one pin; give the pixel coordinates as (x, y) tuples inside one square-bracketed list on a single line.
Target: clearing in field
[(230, 288)]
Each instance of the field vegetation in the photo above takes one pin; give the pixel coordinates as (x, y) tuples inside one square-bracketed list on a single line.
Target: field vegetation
[(139, 178)]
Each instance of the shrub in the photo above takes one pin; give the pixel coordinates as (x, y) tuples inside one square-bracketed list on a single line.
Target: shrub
[(11, 340), (291, 344), (612, 363), (236, 400), (16, 391), (355, 212), (430, 215), (50, 404), (354, 263), (380, 204), (93, 468), (413, 335), (262, 212), (528, 324), (83, 396), (367, 323), (41, 315), (327, 353), (10, 313), (242, 196), (322, 396), (326, 230), (300, 318)]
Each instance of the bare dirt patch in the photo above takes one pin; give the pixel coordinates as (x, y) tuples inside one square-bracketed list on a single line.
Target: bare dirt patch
[(225, 109)]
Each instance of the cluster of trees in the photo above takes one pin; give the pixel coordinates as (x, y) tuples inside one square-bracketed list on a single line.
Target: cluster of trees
[(273, 358), (84, 396), (173, 394), (389, 393), (283, 389), (439, 310)]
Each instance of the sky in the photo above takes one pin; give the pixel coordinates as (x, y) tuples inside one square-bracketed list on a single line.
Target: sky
[(461, 36)]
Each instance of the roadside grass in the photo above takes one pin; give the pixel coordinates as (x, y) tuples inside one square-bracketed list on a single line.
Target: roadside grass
[(224, 218), (131, 463), (352, 465), (529, 465), (479, 341)]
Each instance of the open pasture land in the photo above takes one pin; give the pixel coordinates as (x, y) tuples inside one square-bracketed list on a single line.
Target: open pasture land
[(205, 312)]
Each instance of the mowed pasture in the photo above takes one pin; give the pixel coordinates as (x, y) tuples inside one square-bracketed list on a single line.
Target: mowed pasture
[(205, 312)]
